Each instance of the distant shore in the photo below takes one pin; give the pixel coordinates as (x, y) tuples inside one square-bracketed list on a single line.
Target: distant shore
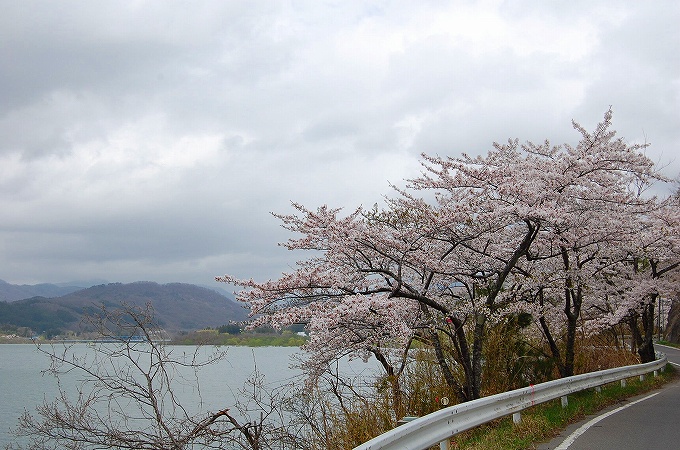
[(202, 337)]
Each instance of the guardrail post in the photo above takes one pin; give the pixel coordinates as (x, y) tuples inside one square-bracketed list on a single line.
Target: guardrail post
[(642, 377), (565, 401), (623, 382), (598, 389), (656, 373), (445, 445), (517, 417)]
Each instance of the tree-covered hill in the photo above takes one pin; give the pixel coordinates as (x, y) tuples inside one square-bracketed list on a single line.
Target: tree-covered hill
[(177, 307)]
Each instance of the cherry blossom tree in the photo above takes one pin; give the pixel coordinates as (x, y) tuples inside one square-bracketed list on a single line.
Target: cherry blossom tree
[(597, 218), (339, 294), (525, 227), (647, 275)]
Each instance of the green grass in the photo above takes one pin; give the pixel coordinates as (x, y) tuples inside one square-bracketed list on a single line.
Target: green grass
[(211, 337), (543, 422)]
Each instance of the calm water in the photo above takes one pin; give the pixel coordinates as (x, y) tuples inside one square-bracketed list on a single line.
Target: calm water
[(23, 386)]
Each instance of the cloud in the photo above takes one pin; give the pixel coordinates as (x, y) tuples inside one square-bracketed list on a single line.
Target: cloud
[(151, 140)]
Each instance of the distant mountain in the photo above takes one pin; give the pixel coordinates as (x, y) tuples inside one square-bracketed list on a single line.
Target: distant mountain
[(13, 292), (177, 306), (84, 283)]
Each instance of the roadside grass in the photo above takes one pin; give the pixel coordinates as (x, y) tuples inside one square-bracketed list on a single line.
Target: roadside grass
[(543, 422)]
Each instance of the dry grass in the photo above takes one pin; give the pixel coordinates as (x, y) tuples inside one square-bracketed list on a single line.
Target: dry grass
[(511, 363)]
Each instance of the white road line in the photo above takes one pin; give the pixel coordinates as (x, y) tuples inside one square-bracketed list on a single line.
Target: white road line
[(583, 428)]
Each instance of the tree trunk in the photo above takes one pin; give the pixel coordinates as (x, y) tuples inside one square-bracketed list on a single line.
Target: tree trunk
[(395, 385), (572, 309), (673, 325), (478, 339), (554, 349), (646, 348), (643, 338), (462, 392), (569, 344)]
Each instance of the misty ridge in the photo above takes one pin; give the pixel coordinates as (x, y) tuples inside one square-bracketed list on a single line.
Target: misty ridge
[(52, 309), (13, 292)]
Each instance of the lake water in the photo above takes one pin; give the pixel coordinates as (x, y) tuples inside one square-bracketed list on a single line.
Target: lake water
[(23, 386)]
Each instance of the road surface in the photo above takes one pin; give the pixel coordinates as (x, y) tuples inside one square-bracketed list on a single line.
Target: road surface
[(649, 421)]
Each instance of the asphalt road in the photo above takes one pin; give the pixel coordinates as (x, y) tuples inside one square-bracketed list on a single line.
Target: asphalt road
[(649, 421)]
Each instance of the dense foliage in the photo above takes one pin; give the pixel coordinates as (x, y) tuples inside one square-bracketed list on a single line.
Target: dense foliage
[(29, 314)]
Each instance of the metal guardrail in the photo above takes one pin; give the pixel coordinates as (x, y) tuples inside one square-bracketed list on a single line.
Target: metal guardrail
[(437, 427)]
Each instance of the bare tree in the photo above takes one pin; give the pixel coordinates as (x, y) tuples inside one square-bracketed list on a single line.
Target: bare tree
[(122, 394)]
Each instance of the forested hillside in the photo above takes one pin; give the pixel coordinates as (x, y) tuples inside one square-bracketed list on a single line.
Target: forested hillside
[(178, 307)]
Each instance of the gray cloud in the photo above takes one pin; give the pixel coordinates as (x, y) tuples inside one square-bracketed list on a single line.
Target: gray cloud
[(152, 140)]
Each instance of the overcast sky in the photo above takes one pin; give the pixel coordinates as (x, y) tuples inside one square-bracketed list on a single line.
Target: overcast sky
[(150, 140)]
